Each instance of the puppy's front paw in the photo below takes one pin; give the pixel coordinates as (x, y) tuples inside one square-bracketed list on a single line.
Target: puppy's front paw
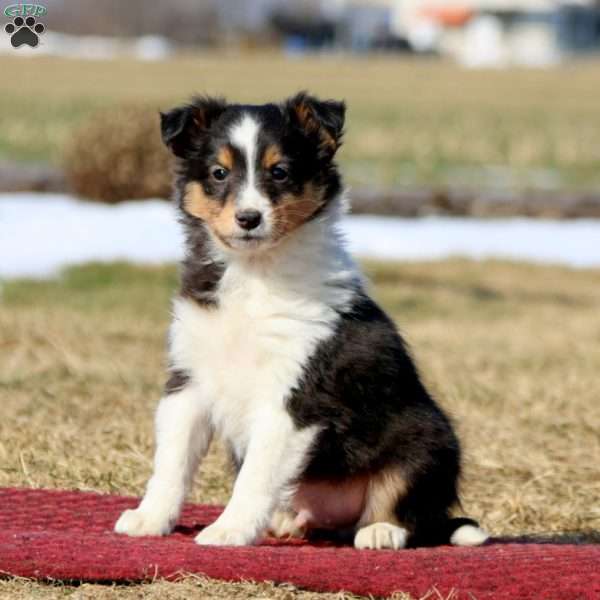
[(381, 535), (221, 535), (139, 522)]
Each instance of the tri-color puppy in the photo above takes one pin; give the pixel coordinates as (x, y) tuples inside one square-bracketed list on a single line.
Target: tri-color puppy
[(276, 347)]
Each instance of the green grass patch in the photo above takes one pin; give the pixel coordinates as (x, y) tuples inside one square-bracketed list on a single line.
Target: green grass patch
[(420, 122)]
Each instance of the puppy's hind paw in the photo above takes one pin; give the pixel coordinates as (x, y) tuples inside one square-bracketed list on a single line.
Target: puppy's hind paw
[(139, 522), (284, 525), (379, 536)]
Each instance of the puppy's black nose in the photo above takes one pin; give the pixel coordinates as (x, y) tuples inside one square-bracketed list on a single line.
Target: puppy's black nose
[(248, 219)]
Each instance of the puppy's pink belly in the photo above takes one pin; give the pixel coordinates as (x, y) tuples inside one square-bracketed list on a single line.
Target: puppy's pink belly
[(329, 504)]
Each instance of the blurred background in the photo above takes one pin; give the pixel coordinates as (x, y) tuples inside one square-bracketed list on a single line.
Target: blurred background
[(472, 155), (464, 108)]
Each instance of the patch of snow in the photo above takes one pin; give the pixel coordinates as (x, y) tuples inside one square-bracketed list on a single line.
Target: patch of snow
[(42, 233), (574, 243)]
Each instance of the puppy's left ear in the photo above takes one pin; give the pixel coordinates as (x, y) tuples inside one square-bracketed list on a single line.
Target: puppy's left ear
[(322, 120), (183, 125)]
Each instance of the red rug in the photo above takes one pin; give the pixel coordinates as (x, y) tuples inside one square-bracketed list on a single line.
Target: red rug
[(68, 536)]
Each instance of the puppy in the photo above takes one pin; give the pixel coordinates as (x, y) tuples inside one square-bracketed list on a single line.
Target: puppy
[(276, 347)]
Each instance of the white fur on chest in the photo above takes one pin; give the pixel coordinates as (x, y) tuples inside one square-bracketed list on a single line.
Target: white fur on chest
[(248, 353)]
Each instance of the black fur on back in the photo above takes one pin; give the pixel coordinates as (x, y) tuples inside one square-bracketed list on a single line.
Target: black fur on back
[(363, 388)]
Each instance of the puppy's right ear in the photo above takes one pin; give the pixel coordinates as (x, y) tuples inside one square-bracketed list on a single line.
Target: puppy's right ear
[(184, 125)]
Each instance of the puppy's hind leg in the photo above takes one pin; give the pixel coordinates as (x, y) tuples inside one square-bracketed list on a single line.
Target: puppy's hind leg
[(183, 435), (378, 527)]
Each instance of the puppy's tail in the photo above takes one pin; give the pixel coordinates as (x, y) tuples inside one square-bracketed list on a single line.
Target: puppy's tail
[(466, 532), (459, 531)]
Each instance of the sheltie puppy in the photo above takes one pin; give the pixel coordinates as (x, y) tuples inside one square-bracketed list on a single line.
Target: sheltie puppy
[(276, 347)]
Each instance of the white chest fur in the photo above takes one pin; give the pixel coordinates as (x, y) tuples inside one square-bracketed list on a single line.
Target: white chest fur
[(248, 353)]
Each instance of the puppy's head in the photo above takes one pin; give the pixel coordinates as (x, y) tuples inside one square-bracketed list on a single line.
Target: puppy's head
[(254, 174)]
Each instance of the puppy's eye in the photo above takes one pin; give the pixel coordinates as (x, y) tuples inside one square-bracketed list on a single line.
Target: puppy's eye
[(219, 173), (279, 173)]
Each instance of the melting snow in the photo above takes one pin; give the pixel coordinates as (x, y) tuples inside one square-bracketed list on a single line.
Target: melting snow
[(41, 233)]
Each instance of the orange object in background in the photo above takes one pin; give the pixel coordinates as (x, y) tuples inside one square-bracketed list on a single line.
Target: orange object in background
[(450, 16)]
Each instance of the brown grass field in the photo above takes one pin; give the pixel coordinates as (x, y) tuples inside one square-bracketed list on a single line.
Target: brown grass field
[(511, 350), (409, 121)]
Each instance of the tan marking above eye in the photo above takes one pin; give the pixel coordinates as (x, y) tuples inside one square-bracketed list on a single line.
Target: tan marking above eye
[(225, 157), (272, 156)]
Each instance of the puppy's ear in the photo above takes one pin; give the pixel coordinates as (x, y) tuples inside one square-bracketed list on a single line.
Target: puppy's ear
[(322, 120), (183, 125)]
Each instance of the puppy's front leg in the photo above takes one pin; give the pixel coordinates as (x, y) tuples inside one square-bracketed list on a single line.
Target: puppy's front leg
[(183, 435), (276, 454)]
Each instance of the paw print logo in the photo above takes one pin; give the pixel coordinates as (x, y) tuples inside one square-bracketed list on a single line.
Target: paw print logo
[(24, 31)]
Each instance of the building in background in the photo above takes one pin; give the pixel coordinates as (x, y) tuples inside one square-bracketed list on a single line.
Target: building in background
[(501, 32), (477, 33)]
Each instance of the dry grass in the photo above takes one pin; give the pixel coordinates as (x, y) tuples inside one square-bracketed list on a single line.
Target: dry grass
[(511, 350), (409, 120), (190, 588)]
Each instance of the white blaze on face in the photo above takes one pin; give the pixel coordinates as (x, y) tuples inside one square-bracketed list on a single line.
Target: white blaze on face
[(244, 136)]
